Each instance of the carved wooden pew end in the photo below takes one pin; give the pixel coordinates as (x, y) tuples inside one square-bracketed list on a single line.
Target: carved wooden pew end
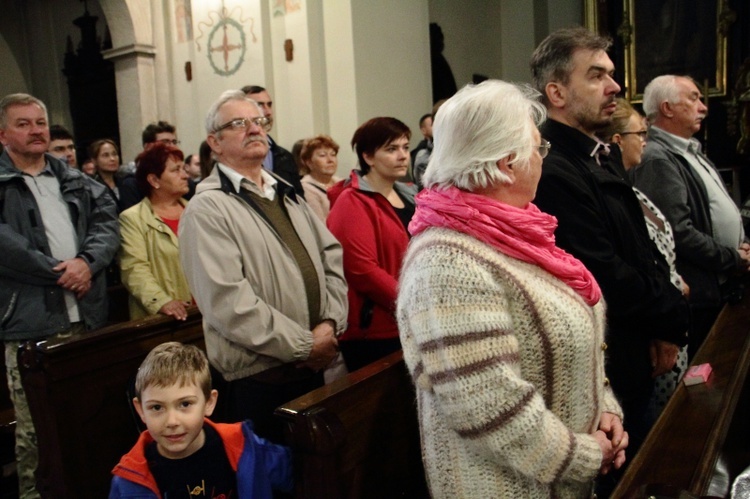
[(358, 436)]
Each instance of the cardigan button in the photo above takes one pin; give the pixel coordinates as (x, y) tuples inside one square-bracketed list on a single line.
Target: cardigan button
[(604, 347), (606, 381)]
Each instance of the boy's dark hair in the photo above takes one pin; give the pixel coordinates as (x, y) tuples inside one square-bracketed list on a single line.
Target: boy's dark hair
[(150, 132), (59, 132), (171, 363), (424, 117)]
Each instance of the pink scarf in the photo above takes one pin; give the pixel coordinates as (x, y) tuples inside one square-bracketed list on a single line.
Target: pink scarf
[(523, 233)]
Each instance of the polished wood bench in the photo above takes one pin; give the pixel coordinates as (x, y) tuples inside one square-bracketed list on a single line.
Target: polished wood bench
[(358, 437), (703, 427), (77, 393)]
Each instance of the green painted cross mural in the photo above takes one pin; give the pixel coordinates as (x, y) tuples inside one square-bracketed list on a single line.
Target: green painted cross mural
[(219, 45)]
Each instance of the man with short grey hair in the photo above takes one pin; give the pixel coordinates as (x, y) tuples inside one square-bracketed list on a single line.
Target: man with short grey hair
[(685, 185), (265, 271), (600, 220), (58, 232)]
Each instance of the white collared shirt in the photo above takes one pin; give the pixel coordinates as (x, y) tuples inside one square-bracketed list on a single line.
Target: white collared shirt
[(238, 181)]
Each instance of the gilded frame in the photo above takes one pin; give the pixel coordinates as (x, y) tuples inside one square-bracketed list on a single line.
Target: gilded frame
[(710, 32)]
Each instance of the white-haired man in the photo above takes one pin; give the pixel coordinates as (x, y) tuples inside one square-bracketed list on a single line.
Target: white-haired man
[(58, 232), (265, 272), (687, 188)]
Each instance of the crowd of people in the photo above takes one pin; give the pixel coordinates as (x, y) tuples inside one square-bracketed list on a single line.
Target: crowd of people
[(548, 259)]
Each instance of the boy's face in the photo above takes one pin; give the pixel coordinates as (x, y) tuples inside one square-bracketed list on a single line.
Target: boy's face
[(174, 417)]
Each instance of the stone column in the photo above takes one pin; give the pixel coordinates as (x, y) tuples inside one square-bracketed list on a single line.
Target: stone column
[(136, 94)]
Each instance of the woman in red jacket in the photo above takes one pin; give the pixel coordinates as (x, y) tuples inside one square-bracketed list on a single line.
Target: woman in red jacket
[(369, 216)]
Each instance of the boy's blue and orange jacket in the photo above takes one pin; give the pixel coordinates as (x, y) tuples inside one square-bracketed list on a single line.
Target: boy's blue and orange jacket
[(261, 466)]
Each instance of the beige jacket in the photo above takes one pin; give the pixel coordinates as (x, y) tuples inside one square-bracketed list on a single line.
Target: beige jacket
[(247, 283), (150, 261)]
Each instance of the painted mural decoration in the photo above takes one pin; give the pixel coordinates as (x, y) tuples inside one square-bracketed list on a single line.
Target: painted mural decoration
[(284, 7), (226, 42), (183, 14)]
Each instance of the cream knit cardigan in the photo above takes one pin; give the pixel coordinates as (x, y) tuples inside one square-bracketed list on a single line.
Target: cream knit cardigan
[(508, 362)]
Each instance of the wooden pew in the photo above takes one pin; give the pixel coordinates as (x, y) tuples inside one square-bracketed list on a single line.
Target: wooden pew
[(358, 437), (701, 423), (77, 394)]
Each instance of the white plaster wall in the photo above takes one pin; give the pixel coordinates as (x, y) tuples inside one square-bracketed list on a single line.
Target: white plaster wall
[(473, 36), (292, 80), (497, 37), (12, 80), (392, 60), (189, 100), (340, 91), (516, 22), (354, 59)]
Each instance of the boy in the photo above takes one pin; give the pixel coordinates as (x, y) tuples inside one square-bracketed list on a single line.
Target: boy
[(183, 454)]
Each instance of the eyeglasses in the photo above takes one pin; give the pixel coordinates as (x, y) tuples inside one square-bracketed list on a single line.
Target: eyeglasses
[(544, 148), (640, 133), (244, 123), (170, 142)]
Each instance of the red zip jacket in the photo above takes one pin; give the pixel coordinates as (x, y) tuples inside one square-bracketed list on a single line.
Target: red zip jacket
[(374, 242)]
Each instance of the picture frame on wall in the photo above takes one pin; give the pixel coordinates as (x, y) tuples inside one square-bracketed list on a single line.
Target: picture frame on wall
[(684, 37)]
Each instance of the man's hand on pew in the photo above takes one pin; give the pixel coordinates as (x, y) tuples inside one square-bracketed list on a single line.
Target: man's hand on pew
[(325, 347), (176, 309), (76, 276)]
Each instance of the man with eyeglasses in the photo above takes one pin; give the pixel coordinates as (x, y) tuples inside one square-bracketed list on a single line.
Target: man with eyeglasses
[(600, 222), (278, 160), (264, 270), (685, 185)]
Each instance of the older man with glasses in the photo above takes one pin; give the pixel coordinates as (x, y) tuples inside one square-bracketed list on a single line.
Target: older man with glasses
[(264, 270)]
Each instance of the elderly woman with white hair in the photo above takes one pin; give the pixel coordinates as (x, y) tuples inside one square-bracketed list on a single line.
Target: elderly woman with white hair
[(502, 331)]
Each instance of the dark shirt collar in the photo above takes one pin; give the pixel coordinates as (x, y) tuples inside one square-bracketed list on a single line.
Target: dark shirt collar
[(564, 137)]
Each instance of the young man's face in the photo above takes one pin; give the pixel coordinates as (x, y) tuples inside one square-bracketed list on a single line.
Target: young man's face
[(266, 105), (174, 417), (64, 149)]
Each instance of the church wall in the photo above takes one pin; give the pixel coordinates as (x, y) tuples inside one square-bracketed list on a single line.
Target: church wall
[(13, 79), (353, 59), (392, 61), (473, 36), (196, 37), (495, 38), (32, 49)]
